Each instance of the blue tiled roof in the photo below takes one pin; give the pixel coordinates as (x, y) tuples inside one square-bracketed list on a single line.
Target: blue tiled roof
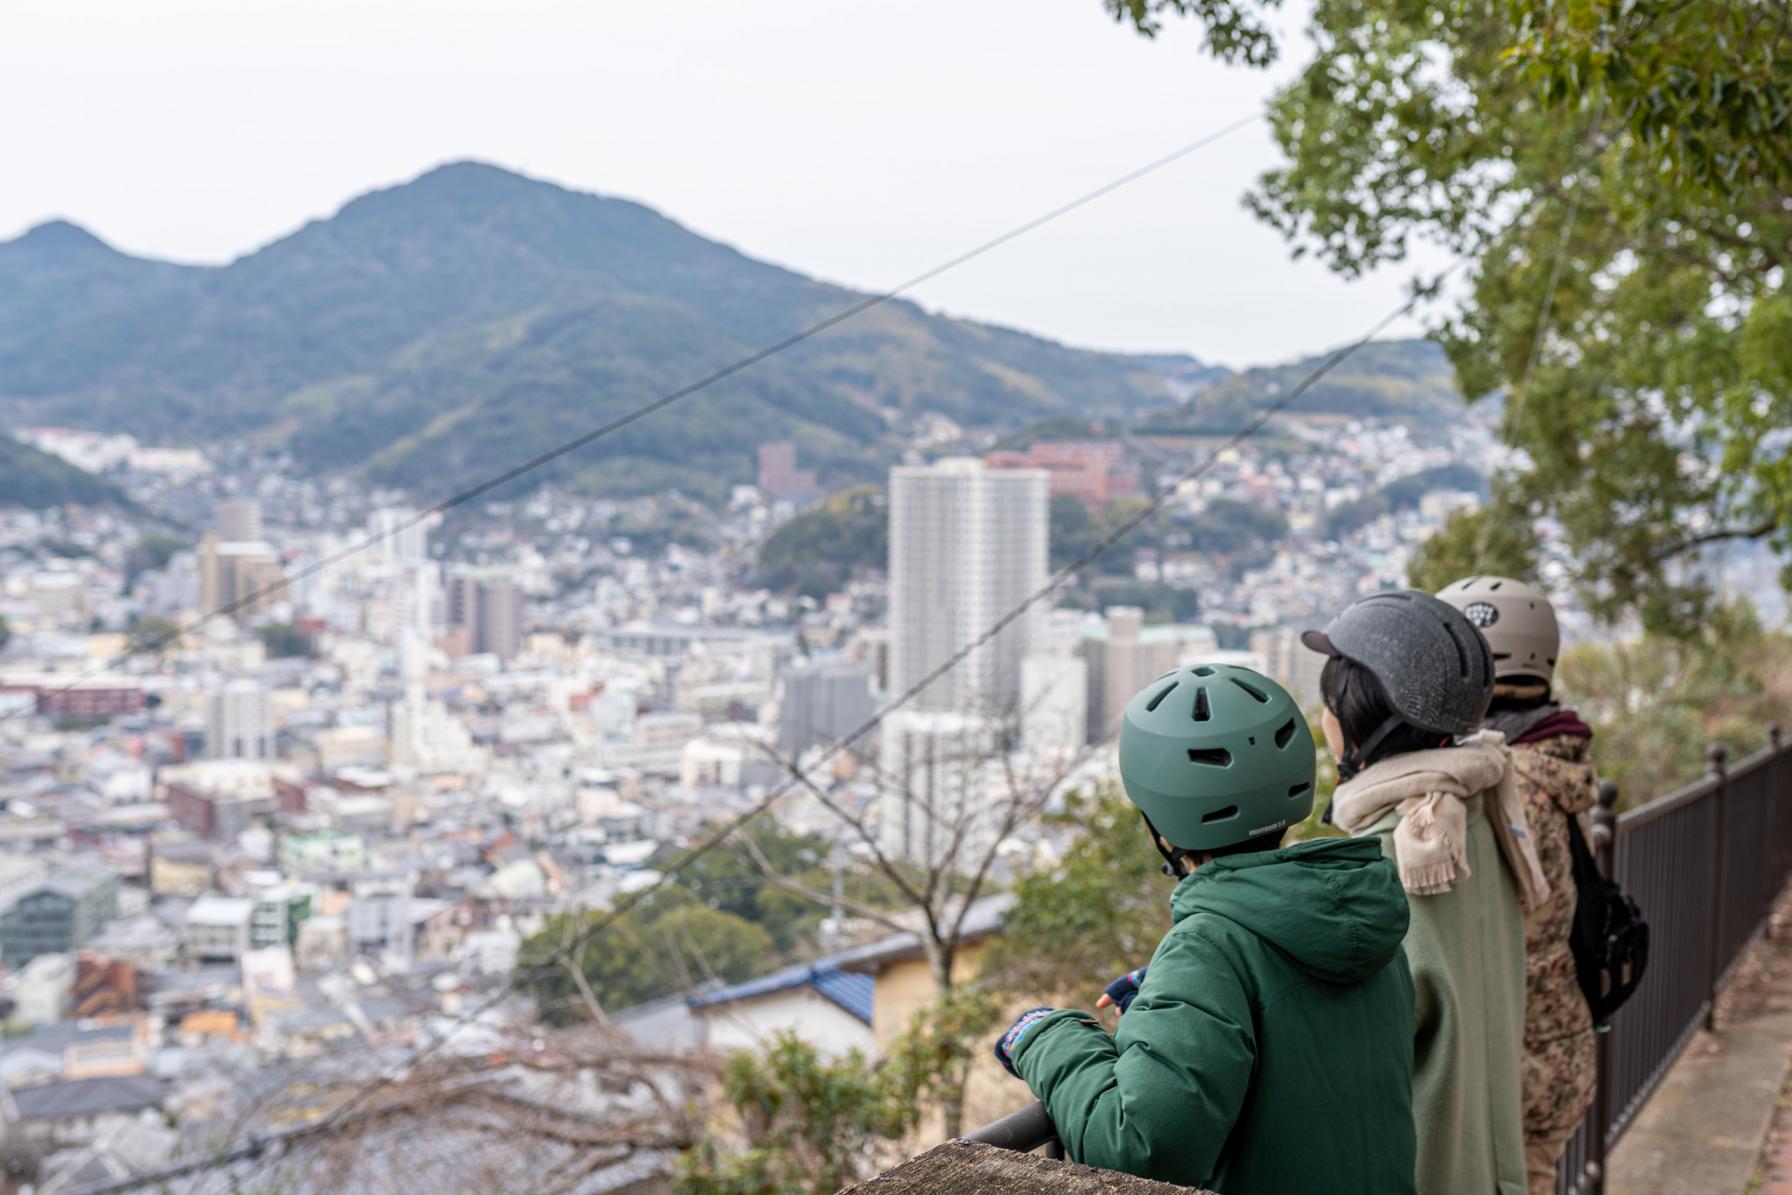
[(851, 991)]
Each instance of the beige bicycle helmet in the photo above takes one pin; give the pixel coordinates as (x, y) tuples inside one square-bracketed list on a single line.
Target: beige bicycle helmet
[(1518, 621)]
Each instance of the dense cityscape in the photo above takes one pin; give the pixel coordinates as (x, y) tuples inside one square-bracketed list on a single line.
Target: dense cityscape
[(337, 812)]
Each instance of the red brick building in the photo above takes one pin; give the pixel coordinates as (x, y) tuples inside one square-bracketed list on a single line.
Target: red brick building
[(1091, 470)]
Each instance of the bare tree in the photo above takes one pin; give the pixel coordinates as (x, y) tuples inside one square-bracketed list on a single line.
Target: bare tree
[(950, 793)]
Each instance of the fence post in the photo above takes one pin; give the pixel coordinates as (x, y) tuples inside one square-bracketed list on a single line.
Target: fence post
[(1717, 756), (1777, 847), (1604, 817)]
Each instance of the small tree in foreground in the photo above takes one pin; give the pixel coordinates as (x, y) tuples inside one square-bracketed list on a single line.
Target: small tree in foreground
[(814, 1122)]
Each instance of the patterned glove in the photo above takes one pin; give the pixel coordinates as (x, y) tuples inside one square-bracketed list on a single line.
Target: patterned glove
[(1123, 991), (1005, 1044)]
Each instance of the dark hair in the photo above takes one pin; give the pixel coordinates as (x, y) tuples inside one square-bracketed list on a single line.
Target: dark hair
[(1357, 698)]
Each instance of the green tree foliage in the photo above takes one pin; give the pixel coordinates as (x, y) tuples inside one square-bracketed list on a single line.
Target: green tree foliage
[(1098, 913), (1401, 494), (1075, 530), (152, 635), (1486, 539), (1617, 171), (1705, 88), (816, 552), (1158, 601), (815, 1123), (282, 639), (36, 480), (731, 880), (1226, 527), (1655, 702), (1394, 379), (153, 551), (668, 944)]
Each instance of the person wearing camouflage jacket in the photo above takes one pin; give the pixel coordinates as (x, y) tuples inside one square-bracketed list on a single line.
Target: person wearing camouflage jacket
[(1557, 781), (1556, 778)]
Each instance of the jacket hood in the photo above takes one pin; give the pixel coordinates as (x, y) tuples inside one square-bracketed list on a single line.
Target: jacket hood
[(1334, 906), (1559, 767)]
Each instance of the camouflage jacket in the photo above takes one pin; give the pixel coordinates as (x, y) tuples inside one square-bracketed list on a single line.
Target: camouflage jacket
[(1558, 782)]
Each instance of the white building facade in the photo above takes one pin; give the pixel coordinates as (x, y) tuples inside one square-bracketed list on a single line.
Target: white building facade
[(967, 547), (239, 722)]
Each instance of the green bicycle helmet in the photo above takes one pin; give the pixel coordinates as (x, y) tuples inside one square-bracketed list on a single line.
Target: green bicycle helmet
[(1215, 754)]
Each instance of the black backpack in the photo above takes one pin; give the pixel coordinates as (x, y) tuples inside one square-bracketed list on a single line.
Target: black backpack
[(1610, 939)]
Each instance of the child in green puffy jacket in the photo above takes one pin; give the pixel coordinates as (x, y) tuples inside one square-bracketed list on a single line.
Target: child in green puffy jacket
[(1267, 1047)]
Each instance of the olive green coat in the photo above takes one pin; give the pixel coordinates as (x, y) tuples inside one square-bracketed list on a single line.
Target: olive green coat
[(1466, 951), (1270, 1047)]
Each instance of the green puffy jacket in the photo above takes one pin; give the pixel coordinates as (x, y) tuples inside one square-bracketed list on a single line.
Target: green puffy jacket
[(1270, 1047)]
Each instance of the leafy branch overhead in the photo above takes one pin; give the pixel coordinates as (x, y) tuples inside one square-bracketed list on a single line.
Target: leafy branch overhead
[(1619, 171)]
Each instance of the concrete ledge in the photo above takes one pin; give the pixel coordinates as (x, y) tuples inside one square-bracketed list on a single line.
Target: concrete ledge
[(966, 1166)]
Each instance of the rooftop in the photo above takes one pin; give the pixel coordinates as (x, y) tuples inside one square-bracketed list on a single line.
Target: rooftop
[(87, 1097), (849, 990)]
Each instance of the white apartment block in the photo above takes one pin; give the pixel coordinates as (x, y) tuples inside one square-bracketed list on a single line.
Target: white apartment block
[(934, 800), (967, 547), (239, 722)]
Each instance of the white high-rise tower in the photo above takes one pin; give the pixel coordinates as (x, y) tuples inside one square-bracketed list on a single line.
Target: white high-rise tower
[(239, 722), (967, 546)]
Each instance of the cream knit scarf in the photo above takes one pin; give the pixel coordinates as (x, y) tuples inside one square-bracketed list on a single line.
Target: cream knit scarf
[(1428, 789)]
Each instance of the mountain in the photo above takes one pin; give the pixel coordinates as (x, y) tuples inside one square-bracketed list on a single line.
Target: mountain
[(445, 329), (36, 480), (1387, 378)]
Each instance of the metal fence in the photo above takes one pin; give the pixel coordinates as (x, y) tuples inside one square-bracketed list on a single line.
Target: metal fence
[(1706, 864)]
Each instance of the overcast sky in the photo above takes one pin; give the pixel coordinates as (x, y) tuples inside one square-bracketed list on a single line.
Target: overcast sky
[(860, 141)]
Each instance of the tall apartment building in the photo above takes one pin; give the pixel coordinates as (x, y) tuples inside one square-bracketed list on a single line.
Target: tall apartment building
[(1291, 663), (239, 722), (239, 520), (403, 538), (490, 608), (1124, 655), (822, 702), (243, 576), (934, 790), (967, 547)]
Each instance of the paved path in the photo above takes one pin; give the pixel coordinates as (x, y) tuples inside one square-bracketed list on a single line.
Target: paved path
[(1775, 1174), (1705, 1129)]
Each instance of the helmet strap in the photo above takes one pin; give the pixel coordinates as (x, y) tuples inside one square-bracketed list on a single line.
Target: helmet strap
[(1359, 757), (1175, 866)]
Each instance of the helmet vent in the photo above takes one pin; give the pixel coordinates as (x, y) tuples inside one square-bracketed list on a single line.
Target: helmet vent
[(1159, 699), (1203, 670), (1216, 757), (1203, 711), (1253, 690), (1297, 789), (1461, 656), (1285, 735), (1219, 815), (1496, 585)]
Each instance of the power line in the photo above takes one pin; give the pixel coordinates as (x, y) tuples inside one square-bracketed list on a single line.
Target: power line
[(638, 413), (260, 1147)]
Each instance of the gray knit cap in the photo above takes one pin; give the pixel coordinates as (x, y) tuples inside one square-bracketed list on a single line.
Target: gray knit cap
[(1433, 662)]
